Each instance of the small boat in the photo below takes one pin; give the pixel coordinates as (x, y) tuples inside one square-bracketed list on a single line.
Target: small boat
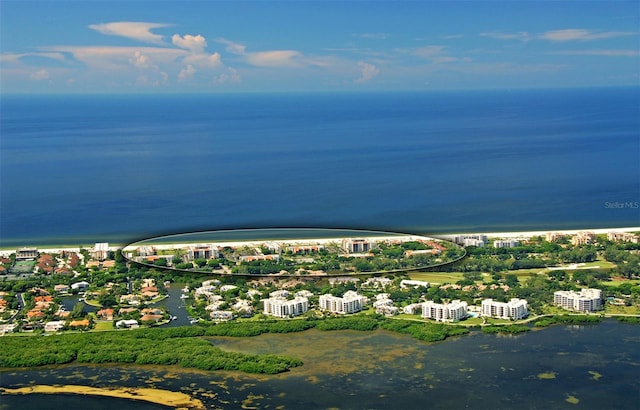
[(184, 296), (174, 317), (194, 321)]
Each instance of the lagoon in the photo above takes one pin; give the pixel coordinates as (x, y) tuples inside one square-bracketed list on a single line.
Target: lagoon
[(594, 366)]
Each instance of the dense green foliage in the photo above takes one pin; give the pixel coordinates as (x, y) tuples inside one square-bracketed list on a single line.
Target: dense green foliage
[(568, 320), (634, 320), (257, 328), (428, 332), (352, 322), (176, 346), (507, 329)]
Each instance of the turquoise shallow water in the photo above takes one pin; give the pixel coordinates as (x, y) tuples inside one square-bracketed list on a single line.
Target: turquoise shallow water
[(544, 369)]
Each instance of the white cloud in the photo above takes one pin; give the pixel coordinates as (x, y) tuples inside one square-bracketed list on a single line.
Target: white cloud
[(106, 58), (232, 47), (275, 58), (196, 44), (521, 35), (428, 51), (231, 76), (559, 35), (139, 60), (40, 75), (186, 73), (603, 53), (204, 60), (140, 31), (271, 58), (582, 35), (367, 72), (373, 36)]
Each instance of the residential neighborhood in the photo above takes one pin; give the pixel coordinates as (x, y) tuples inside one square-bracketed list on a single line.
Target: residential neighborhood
[(97, 289)]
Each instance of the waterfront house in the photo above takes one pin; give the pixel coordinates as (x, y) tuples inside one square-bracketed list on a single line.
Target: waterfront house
[(127, 323), (105, 314), (80, 286), (54, 326)]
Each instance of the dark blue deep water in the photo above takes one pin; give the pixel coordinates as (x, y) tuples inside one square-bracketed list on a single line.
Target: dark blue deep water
[(81, 169)]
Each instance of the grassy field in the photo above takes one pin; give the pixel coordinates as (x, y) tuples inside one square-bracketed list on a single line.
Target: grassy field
[(437, 277), (622, 310), (104, 325), (620, 281)]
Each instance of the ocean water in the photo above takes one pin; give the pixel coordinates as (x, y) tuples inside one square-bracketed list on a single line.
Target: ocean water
[(83, 169)]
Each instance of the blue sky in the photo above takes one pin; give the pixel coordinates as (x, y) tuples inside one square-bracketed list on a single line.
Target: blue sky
[(243, 46)]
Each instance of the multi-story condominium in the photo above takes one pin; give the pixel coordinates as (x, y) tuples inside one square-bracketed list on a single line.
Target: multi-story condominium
[(101, 251), (587, 300), (471, 240), (350, 302), (583, 238), (447, 312), (623, 237), (514, 309), (203, 252), (146, 250), (281, 307), (554, 236), (506, 243), (357, 245)]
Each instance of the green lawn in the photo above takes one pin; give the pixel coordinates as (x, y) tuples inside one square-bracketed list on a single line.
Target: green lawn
[(104, 325), (620, 281), (437, 277)]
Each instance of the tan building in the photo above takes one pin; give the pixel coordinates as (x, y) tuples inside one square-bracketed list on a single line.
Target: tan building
[(583, 238), (623, 237)]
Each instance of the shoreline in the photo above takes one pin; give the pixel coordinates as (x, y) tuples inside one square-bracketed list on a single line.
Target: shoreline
[(6, 251), (157, 396)]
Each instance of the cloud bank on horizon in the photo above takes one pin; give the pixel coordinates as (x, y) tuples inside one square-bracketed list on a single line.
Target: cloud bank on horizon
[(417, 51)]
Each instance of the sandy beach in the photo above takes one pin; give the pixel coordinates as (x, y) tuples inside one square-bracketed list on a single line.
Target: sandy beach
[(163, 397), (505, 235), (529, 234)]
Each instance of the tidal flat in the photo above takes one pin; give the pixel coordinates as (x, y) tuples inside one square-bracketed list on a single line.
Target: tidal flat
[(383, 370)]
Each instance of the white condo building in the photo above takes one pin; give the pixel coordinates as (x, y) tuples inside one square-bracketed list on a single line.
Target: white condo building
[(350, 302), (444, 312), (281, 307), (514, 309), (506, 243), (471, 240), (587, 300)]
